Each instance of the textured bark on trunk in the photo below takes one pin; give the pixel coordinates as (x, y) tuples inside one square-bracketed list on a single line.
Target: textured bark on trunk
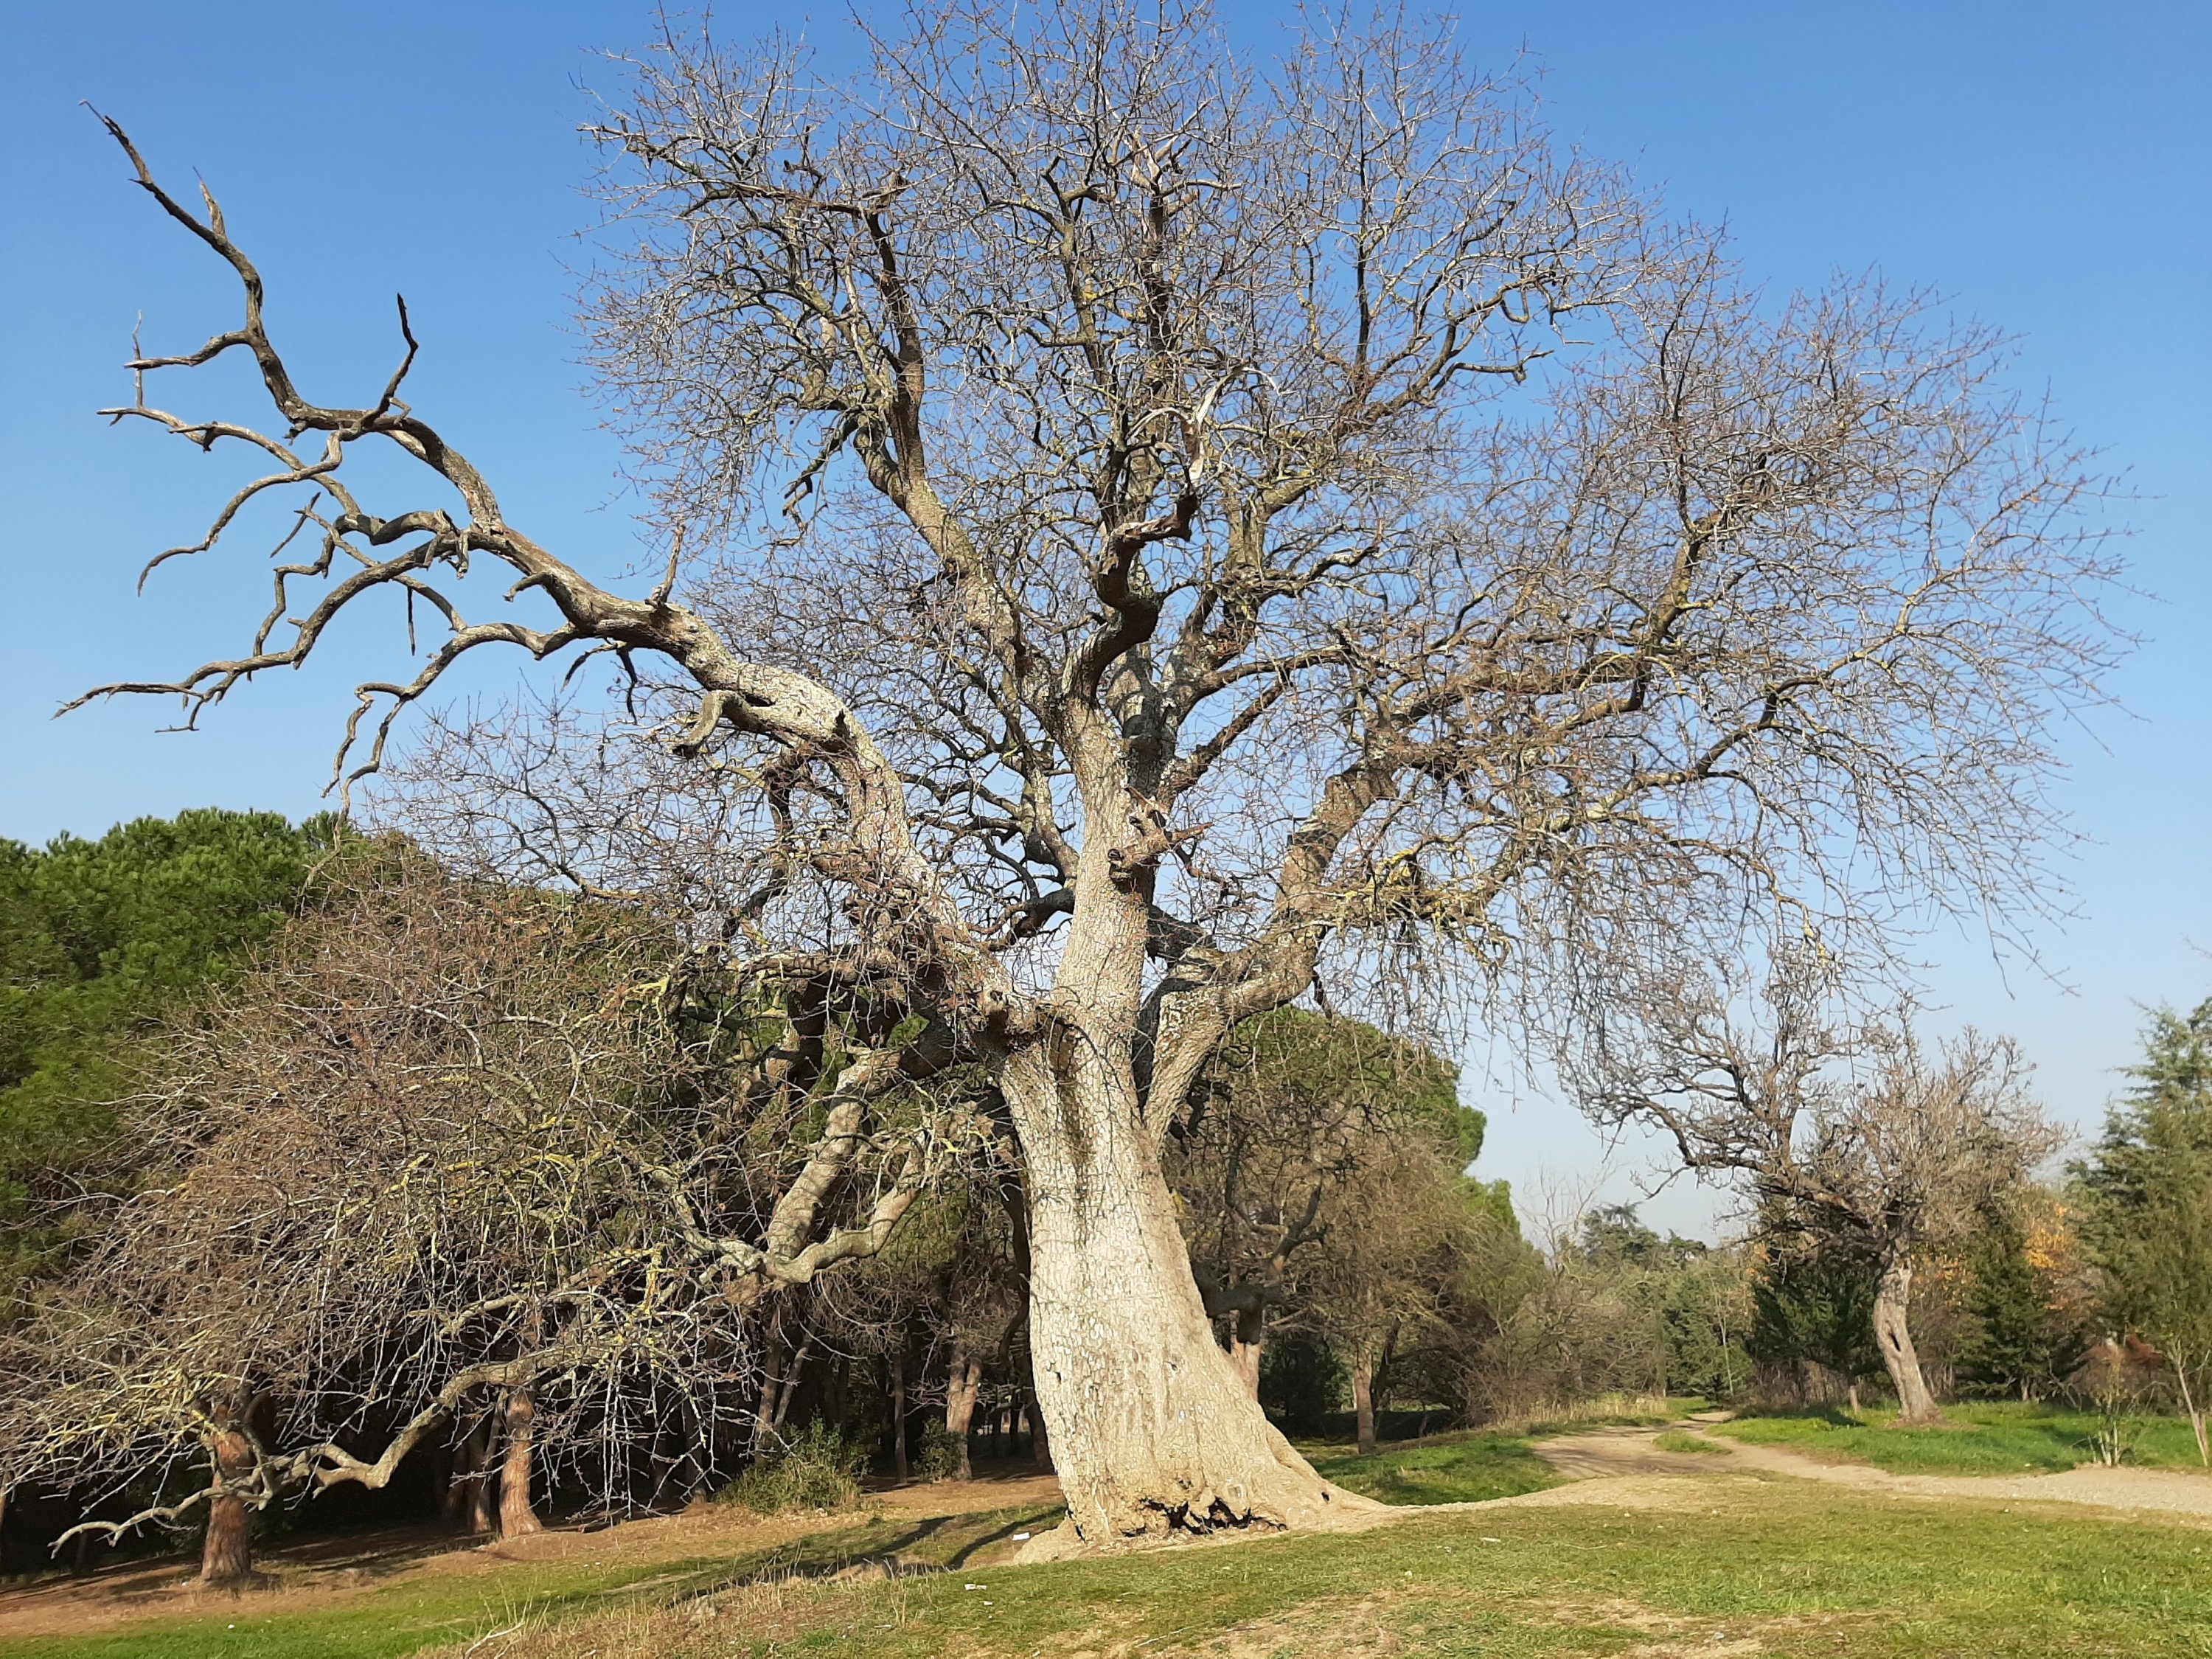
[(518, 1431), (964, 1386), (1363, 1397), (227, 1555), (1154, 1430), (1893, 1298)]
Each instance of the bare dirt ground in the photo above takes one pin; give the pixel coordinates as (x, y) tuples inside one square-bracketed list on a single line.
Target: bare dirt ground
[(1611, 1453), (316, 1576)]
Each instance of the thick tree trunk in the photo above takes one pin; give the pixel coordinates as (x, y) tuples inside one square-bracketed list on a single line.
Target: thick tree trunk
[(1893, 1299), (518, 1425), (1362, 1396), (964, 1386), (1154, 1430), (227, 1555)]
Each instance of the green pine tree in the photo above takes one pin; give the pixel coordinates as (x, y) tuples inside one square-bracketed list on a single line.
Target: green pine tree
[(2017, 1342), (98, 939)]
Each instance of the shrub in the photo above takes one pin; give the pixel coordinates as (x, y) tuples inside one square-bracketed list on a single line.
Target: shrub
[(817, 1468), (938, 1456)]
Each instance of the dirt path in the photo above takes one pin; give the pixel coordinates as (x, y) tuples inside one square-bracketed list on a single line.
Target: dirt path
[(1616, 1452), (327, 1573)]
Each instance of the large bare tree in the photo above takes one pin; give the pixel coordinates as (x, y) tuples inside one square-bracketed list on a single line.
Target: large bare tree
[(1145, 528)]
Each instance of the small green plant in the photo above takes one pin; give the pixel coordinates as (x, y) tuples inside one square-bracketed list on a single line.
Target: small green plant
[(817, 1468), (938, 1458), (1676, 1440)]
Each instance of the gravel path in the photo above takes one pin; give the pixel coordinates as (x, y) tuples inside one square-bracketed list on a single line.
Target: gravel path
[(1607, 1452)]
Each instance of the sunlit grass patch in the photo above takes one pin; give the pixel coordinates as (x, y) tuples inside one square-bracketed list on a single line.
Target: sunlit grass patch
[(1982, 1437), (1793, 1568), (1449, 1469)]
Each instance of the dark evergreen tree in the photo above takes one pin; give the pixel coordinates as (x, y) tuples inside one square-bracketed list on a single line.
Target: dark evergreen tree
[(2146, 1195), (98, 939), (2019, 1341), (1812, 1303)]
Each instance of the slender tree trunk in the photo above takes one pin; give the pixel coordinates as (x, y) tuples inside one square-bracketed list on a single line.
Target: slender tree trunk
[(468, 1485), (518, 1424), (898, 1412), (1894, 1336), (1362, 1396), (1154, 1430), (1851, 1394), (226, 1556), (1040, 1436), (2194, 1407), (764, 1418), (1247, 1342), (791, 1382), (963, 1386)]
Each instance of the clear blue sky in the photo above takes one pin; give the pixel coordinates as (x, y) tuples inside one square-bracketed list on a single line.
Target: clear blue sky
[(2049, 166)]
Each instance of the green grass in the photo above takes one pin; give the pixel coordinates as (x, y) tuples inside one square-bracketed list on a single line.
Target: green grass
[(1795, 1569), (423, 1612), (401, 1619), (1985, 1437), (1445, 1469), (1675, 1440)]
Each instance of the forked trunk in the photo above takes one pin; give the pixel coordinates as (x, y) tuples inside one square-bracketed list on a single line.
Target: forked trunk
[(1363, 1397), (1154, 1430), (227, 1555), (964, 1386), (519, 1428), (1893, 1298)]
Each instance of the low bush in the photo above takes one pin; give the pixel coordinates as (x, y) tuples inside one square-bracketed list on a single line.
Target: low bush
[(817, 1468), (938, 1458)]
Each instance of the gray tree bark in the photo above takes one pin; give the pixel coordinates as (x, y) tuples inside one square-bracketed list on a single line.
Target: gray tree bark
[(1363, 1397), (1894, 1336), (964, 1386), (1154, 1429)]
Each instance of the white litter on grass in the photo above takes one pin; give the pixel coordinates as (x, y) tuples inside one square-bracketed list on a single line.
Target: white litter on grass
[(1494, 1540), (1021, 1538), (976, 1586)]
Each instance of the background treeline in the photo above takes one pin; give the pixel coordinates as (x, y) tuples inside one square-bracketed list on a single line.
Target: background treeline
[(340, 1190)]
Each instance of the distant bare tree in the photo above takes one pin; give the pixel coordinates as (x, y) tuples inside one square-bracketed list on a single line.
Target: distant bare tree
[(1144, 530), (1865, 1135)]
